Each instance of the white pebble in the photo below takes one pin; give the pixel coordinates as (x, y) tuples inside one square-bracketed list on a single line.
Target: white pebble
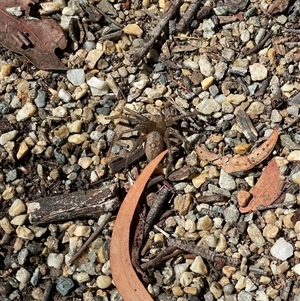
[(76, 76), (282, 249)]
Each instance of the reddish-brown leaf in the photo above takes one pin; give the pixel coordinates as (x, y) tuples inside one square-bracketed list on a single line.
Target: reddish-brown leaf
[(267, 188), (34, 38), (240, 163), (124, 276), (278, 6)]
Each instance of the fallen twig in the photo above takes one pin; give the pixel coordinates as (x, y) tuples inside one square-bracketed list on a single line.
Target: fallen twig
[(188, 15), (155, 209), (169, 252), (91, 238), (156, 31), (190, 247), (260, 45)]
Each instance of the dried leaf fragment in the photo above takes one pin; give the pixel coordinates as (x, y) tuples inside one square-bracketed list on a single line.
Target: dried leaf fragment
[(278, 6), (34, 38), (239, 163), (267, 189), (125, 278)]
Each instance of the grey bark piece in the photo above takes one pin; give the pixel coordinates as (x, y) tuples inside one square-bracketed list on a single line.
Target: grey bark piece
[(87, 204)]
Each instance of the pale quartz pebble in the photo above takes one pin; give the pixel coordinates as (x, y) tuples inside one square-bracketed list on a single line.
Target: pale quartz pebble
[(228, 271), (258, 72), (93, 57), (97, 83), (282, 249), (297, 227), (6, 225), (216, 289), (23, 150), (191, 290), (75, 126), (38, 231), (186, 278), (103, 281), (9, 136), (153, 93), (294, 156), (198, 266), (24, 233), (27, 111), (296, 268), (8, 193), (226, 181), (16, 208), (235, 99), (19, 220), (296, 177), (62, 132), (250, 286), (76, 76), (6, 70), (182, 203), (68, 11), (255, 235), (282, 268), (208, 106), (255, 108), (141, 83), (84, 231), (241, 283), (207, 82), (55, 260), (23, 275), (77, 138), (177, 291), (221, 244), (204, 223), (64, 95), (80, 91), (48, 8), (59, 112), (270, 217), (85, 162), (287, 220), (133, 29), (270, 231), (82, 277)]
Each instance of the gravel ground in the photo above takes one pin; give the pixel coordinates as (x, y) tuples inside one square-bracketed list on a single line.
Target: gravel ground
[(224, 82)]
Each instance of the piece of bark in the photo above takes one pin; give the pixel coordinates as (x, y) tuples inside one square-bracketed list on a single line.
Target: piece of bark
[(79, 204)]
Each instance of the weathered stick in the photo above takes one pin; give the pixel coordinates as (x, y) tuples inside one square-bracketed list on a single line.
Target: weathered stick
[(89, 204), (156, 31)]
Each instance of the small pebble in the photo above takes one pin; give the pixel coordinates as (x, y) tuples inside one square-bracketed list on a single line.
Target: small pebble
[(64, 285), (256, 235), (282, 249), (198, 266), (103, 281), (76, 76)]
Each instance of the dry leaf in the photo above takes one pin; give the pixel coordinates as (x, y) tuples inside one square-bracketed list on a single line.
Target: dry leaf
[(34, 38), (278, 6), (127, 282), (267, 189), (239, 163)]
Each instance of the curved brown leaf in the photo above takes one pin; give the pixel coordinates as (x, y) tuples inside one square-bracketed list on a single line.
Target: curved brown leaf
[(34, 38), (126, 280), (240, 163), (267, 188)]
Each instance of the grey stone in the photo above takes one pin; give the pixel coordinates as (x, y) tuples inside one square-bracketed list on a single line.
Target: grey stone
[(231, 214), (64, 285), (40, 100)]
